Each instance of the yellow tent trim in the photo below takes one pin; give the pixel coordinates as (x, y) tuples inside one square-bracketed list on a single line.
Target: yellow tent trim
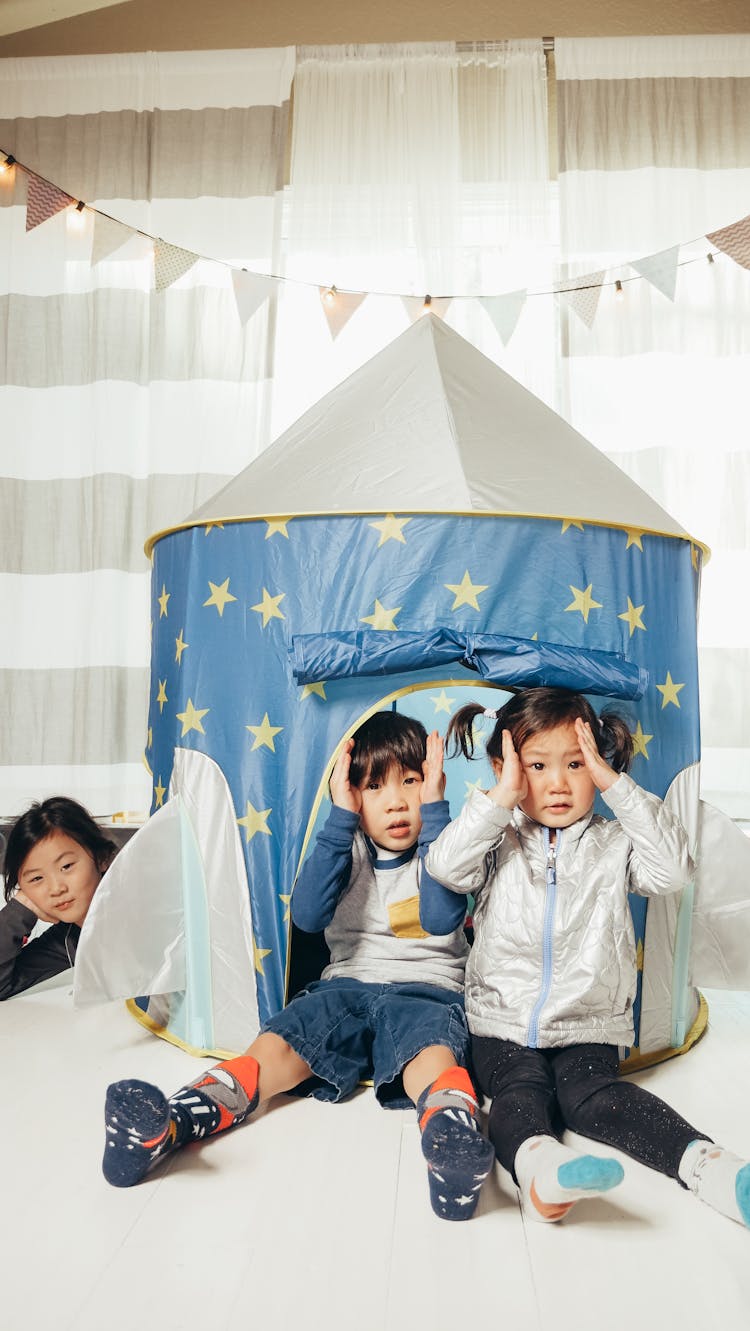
[(419, 513), (164, 1034), (698, 1028)]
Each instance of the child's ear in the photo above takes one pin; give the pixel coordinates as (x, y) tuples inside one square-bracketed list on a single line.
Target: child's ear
[(497, 766)]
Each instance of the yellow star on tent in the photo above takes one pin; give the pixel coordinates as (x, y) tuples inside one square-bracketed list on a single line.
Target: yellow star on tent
[(669, 691), (286, 899), (159, 791), (381, 618), (150, 737), (473, 785), (269, 607), (632, 617), (391, 528), (465, 592), (180, 646), (258, 954), (309, 689), (191, 718), (694, 555), (567, 523), (210, 526), (442, 702), (277, 527), (641, 741), (161, 696), (583, 601), (220, 596), (535, 637), (639, 956), (254, 821), (165, 595), (264, 734), (634, 535)]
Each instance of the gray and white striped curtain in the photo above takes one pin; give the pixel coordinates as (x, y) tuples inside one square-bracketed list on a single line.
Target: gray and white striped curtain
[(654, 141), (122, 407)]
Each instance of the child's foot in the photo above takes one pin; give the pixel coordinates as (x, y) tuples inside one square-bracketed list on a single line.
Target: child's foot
[(552, 1178), (139, 1131), (719, 1178), (143, 1126), (458, 1157)]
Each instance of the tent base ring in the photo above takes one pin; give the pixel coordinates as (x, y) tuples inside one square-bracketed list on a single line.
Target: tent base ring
[(698, 1028)]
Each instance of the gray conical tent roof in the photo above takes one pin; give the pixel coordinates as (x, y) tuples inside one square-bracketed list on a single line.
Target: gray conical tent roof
[(431, 425)]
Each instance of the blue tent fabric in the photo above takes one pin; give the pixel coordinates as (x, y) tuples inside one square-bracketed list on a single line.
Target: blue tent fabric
[(497, 658)]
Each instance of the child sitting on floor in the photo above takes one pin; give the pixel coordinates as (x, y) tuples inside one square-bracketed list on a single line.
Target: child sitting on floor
[(389, 1006), (551, 981)]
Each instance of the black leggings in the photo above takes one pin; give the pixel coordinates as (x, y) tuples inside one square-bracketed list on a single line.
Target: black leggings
[(547, 1090)]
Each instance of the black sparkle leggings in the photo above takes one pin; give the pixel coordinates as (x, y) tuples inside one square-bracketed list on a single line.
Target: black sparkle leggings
[(547, 1090)]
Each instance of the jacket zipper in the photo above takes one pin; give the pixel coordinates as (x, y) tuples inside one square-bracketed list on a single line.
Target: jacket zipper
[(550, 900)]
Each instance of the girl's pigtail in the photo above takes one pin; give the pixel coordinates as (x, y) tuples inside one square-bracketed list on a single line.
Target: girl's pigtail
[(460, 733), (616, 741)]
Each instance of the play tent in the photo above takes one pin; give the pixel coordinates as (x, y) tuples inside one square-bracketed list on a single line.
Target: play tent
[(428, 526)]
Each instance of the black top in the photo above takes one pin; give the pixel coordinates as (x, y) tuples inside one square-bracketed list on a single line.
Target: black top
[(23, 965)]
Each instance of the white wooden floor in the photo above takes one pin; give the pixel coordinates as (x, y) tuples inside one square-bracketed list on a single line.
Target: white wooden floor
[(317, 1216)]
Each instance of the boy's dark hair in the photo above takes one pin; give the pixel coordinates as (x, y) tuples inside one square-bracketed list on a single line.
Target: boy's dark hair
[(532, 711), (56, 814), (386, 740)]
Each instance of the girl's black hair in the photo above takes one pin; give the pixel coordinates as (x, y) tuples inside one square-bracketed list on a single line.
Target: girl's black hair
[(387, 739), (532, 711), (56, 814)]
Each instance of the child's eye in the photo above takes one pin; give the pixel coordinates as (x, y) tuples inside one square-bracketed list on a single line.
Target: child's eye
[(575, 764), (411, 780), (373, 785), (537, 767), (70, 864)]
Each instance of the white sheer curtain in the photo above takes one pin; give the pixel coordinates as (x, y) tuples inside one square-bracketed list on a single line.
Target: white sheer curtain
[(654, 152), (122, 407), (416, 169)]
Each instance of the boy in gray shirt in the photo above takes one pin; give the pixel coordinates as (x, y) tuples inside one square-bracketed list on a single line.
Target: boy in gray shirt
[(388, 1007)]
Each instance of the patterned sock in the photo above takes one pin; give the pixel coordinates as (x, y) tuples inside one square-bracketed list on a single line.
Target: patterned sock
[(458, 1157), (552, 1178), (719, 1178), (142, 1126)]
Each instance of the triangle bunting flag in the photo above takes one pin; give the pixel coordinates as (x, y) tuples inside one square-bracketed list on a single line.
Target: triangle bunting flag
[(251, 290), (43, 201), (171, 263), (660, 270), (734, 240), (504, 311), (109, 236), (582, 295), (339, 306)]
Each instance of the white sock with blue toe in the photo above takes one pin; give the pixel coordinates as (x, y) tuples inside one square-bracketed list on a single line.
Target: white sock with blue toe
[(552, 1177), (718, 1177)]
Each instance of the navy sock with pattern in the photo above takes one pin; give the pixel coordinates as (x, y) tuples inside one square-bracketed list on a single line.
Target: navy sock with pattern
[(458, 1157), (142, 1126)]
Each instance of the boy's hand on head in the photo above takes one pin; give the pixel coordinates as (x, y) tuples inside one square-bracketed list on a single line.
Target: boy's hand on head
[(512, 785), (433, 786), (600, 771), (343, 793)]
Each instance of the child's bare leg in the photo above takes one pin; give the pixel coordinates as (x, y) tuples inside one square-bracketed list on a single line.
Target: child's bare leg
[(458, 1157), (142, 1126)]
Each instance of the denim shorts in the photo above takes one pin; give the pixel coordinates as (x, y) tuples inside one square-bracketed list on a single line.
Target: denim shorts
[(348, 1032)]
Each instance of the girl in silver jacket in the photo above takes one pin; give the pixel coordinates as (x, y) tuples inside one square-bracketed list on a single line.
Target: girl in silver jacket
[(551, 979)]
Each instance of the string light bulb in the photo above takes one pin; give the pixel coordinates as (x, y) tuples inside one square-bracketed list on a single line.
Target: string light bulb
[(6, 164), (710, 257), (329, 296), (619, 293), (76, 219), (427, 304)]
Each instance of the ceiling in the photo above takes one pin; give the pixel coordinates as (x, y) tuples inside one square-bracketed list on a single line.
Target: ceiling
[(69, 27)]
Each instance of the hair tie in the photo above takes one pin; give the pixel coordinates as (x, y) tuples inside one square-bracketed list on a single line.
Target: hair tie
[(490, 713)]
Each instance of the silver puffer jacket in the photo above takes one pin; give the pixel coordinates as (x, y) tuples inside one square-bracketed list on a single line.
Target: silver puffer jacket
[(554, 958)]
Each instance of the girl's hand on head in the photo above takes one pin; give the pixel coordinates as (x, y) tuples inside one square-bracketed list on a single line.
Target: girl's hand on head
[(600, 772), (512, 785), (433, 786), (343, 793), (29, 904)]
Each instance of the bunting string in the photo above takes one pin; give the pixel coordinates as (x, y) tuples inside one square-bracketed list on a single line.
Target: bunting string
[(45, 199)]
